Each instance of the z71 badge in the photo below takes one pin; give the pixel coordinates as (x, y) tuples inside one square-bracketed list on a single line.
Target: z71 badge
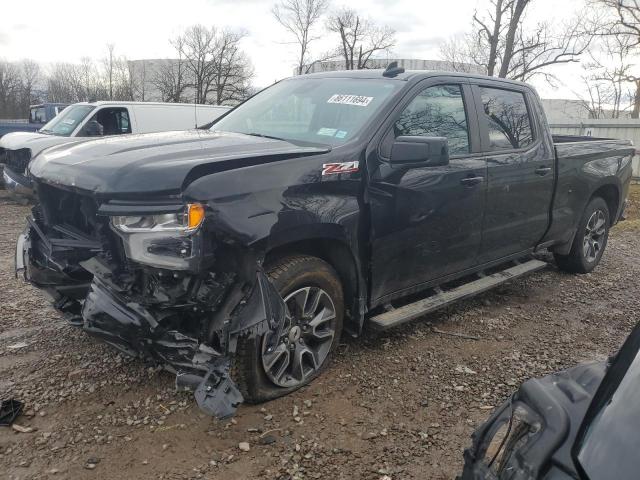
[(333, 168)]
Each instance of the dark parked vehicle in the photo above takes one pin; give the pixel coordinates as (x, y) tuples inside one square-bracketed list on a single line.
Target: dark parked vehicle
[(324, 203), (38, 116), (582, 423)]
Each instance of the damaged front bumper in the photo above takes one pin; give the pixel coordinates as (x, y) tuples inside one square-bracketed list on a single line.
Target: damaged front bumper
[(187, 322)]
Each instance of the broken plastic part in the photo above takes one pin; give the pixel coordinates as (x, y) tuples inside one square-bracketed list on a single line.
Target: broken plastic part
[(9, 411)]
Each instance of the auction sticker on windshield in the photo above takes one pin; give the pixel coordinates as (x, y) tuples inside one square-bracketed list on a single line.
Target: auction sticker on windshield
[(357, 100)]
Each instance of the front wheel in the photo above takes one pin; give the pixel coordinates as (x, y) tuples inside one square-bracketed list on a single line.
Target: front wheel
[(280, 362), (590, 240)]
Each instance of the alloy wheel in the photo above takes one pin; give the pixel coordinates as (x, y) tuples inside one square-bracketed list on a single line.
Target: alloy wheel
[(293, 353), (594, 236)]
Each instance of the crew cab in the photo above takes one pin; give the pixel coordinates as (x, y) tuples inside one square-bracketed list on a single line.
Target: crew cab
[(237, 256), (38, 116), (82, 121)]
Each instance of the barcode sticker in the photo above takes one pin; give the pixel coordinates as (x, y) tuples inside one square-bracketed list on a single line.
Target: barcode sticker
[(357, 100)]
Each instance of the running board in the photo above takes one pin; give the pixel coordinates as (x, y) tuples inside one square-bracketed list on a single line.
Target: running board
[(409, 312)]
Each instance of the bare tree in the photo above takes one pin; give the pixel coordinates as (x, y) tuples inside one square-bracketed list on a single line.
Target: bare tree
[(170, 77), (110, 67), (606, 78), (169, 80), (299, 17), (196, 44), (360, 39), (507, 46), (622, 20), (29, 81), (214, 65), (232, 70), (9, 88)]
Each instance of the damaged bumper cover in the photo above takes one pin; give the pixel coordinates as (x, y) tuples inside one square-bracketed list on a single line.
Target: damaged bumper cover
[(530, 436), (188, 322)]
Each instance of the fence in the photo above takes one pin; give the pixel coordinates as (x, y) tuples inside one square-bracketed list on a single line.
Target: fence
[(608, 128)]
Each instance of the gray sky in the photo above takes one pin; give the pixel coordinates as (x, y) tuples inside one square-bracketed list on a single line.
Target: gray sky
[(49, 31)]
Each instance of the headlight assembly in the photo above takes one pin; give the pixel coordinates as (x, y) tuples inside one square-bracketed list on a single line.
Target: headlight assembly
[(188, 220), (166, 240)]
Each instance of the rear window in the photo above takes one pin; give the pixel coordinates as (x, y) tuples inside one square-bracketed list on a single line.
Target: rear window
[(507, 119)]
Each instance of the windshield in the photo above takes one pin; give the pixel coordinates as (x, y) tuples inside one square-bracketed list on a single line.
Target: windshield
[(329, 111), (609, 445), (66, 122)]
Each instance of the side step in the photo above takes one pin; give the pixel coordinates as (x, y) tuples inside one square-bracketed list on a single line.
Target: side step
[(440, 299)]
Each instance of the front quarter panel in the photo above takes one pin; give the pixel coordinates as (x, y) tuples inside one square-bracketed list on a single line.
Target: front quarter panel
[(268, 205)]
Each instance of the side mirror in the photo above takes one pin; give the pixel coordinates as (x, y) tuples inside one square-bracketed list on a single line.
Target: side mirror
[(93, 129), (409, 151)]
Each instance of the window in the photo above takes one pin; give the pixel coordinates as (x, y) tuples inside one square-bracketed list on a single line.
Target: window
[(507, 118), (107, 121), (437, 111), (38, 115)]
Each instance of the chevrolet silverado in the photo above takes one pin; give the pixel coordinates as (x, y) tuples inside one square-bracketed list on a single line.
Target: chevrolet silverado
[(236, 256)]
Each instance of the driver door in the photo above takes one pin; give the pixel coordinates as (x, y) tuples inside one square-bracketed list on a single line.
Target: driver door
[(426, 222)]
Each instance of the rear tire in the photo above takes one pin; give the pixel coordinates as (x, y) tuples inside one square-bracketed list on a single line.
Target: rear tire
[(590, 240), (267, 367)]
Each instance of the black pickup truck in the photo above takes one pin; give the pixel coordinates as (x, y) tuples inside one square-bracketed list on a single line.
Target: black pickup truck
[(237, 256)]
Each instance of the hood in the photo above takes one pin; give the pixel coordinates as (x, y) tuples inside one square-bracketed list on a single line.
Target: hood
[(155, 162), (34, 141)]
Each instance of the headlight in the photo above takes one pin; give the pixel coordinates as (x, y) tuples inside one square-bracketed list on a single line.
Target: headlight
[(165, 240), (188, 220)]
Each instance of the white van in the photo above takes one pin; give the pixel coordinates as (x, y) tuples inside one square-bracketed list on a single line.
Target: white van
[(86, 120)]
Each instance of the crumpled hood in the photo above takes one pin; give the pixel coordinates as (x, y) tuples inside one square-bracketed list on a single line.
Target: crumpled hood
[(34, 141), (154, 162)]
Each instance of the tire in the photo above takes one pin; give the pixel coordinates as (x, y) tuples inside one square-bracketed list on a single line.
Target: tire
[(300, 279), (590, 240)]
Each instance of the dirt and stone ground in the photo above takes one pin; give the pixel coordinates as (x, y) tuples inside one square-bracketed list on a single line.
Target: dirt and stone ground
[(399, 405)]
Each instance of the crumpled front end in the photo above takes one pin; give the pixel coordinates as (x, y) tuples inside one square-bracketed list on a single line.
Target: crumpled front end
[(176, 297)]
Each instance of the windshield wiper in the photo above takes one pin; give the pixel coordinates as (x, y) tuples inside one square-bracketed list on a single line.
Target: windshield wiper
[(289, 140), (254, 134)]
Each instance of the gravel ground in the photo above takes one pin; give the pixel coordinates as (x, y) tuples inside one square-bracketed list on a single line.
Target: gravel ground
[(395, 405)]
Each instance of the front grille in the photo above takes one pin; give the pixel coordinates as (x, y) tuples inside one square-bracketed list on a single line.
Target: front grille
[(62, 207), (65, 212), (17, 160)]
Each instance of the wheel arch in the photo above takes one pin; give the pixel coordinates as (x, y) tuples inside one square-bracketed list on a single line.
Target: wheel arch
[(337, 253), (610, 193)]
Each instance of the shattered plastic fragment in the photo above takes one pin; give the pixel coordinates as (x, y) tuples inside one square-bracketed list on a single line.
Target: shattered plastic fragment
[(9, 411)]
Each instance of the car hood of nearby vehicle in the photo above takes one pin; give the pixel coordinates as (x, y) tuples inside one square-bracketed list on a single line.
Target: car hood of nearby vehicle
[(155, 162), (34, 141)]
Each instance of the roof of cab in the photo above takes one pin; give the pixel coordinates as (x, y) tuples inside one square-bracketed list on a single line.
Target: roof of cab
[(100, 103), (405, 76)]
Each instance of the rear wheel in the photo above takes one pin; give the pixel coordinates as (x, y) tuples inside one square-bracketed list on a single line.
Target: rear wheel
[(280, 362), (590, 240)]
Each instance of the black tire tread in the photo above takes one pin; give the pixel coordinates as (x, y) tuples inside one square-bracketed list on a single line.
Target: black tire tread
[(574, 262), (244, 360)]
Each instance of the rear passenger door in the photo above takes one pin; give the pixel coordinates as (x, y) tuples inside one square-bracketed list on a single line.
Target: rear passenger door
[(520, 170)]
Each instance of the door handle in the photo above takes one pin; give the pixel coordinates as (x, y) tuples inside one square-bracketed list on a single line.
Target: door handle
[(471, 181), (542, 171)]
